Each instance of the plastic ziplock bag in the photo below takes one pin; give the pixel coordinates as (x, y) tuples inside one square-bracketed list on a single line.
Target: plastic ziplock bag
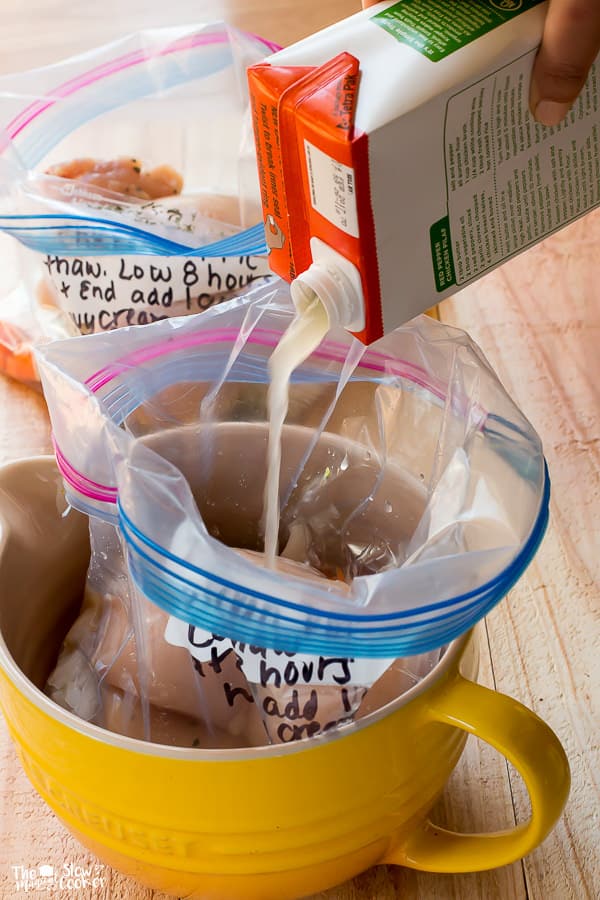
[(174, 96), (419, 481), (129, 667), (30, 313), (298, 695), (116, 670)]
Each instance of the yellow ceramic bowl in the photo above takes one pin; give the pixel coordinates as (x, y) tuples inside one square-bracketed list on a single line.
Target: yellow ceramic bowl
[(277, 822)]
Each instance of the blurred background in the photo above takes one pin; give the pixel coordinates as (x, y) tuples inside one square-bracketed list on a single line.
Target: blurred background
[(59, 28)]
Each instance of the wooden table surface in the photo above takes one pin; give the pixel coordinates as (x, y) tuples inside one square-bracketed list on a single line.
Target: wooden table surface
[(538, 321)]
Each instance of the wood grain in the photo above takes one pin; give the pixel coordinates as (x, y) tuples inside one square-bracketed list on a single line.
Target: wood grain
[(538, 321)]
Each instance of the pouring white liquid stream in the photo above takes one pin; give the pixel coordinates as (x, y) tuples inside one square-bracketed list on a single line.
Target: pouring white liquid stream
[(307, 330)]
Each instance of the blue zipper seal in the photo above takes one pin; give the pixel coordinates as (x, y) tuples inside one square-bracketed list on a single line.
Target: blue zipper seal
[(317, 632)]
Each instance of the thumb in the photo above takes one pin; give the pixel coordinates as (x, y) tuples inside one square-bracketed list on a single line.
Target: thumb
[(570, 44), (367, 3)]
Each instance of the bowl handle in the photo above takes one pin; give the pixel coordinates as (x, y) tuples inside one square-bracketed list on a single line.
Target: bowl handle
[(529, 744)]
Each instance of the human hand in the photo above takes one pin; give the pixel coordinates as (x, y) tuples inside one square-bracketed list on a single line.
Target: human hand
[(570, 44)]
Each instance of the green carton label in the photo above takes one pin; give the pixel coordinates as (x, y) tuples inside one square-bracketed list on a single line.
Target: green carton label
[(441, 254), (437, 28)]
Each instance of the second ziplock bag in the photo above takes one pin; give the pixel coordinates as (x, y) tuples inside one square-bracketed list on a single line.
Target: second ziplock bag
[(130, 172)]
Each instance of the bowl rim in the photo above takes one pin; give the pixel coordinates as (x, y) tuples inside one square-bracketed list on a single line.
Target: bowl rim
[(451, 654)]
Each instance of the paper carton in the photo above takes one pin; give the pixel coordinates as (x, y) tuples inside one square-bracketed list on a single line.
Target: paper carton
[(401, 140)]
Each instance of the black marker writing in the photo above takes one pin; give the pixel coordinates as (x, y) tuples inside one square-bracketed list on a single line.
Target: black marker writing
[(89, 291), (232, 692), (73, 266), (153, 298), (292, 710)]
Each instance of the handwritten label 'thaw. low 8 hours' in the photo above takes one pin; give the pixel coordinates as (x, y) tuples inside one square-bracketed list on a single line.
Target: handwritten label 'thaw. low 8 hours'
[(105, 292)]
